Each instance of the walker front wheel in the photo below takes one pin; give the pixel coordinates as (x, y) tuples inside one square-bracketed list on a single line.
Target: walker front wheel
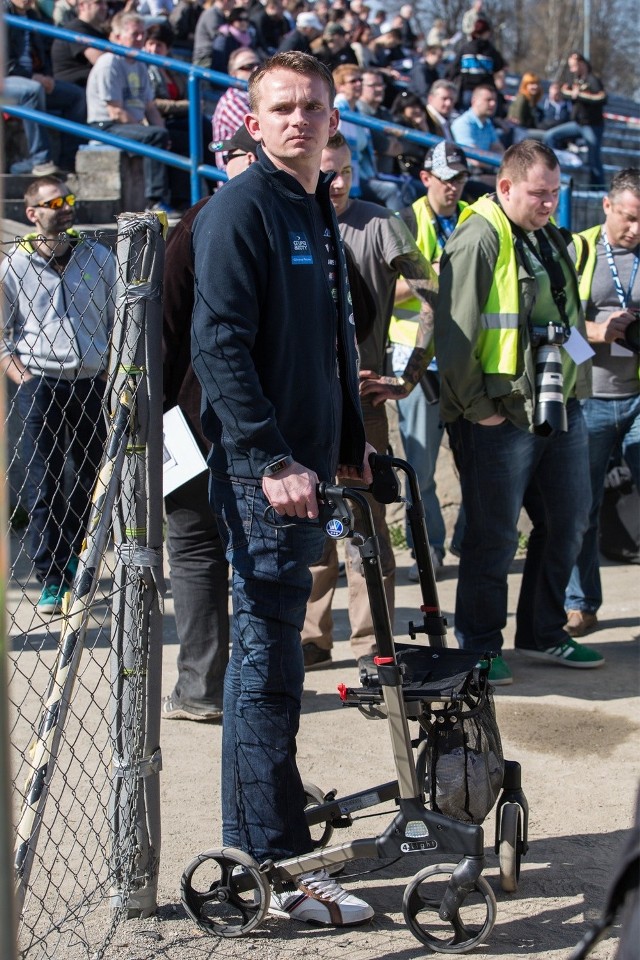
[(471, 924), (322, 832), (225, 892), (510, 846)]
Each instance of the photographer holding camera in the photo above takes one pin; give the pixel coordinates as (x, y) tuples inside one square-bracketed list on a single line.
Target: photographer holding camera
[(513, 366), (607, 263)]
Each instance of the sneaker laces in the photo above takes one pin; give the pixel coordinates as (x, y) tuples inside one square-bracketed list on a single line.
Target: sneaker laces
[(323, 887)]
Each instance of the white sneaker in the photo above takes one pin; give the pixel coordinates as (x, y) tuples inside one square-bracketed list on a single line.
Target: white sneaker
[(320, 899)]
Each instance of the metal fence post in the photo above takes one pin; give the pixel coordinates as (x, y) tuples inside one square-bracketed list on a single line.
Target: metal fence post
[(137, 623), (7, 912)]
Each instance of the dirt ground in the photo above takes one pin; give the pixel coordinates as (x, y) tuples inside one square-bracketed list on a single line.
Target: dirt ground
[(575, 734)]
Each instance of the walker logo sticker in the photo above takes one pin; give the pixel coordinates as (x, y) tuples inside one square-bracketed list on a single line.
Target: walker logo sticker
[(335, 529), (418, 846), (300, 250)]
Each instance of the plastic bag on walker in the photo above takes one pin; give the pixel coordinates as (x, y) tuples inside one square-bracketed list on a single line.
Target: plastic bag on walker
[(465, 761)]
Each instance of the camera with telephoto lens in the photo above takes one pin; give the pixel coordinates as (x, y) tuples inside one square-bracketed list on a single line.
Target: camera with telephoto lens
[(550, 415), (555, 333)]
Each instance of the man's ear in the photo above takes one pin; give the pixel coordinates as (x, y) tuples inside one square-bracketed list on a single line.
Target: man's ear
[(252, 124), (503, 186), (30, 213), (334, 120)]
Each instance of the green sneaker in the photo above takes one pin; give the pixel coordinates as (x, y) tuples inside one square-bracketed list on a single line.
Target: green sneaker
[(569, 653), (71, 568), (499, 673), (51, 598)]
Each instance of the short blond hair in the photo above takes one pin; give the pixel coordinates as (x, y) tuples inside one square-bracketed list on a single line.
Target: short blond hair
[(297, 62)]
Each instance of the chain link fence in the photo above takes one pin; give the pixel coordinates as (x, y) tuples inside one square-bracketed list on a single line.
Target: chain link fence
[(83, 599)]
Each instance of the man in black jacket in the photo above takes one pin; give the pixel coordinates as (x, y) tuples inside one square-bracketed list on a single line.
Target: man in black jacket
[(73, 61), (273, 346)]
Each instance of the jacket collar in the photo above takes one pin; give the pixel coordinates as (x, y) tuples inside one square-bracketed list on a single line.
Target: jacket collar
[(289, 183)]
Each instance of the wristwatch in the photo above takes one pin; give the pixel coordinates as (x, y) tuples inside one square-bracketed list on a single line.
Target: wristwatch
[(277, 466)]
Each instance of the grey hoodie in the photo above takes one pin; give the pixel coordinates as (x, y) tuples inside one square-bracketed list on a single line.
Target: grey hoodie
[(58, 324)]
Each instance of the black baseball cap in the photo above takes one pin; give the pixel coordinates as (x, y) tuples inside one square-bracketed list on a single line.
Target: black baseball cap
[(240, 142)]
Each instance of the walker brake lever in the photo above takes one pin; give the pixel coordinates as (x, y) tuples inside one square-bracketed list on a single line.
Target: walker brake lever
[(335, 516)]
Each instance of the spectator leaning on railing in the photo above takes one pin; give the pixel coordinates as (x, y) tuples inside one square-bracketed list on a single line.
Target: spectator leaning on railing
[(120, 98)]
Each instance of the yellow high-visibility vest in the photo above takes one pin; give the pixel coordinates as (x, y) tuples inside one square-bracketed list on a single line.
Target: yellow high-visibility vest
[(498, 340), (404, 320)]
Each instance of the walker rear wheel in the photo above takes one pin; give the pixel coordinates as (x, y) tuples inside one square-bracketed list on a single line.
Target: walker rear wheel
[(471, 924), (225, 893), (510, 846)]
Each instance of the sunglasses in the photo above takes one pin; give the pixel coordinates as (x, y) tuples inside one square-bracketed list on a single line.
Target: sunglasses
[(248, 66), (58, 202)]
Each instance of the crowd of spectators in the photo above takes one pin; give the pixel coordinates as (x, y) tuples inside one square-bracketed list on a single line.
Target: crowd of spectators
[(450, 86)]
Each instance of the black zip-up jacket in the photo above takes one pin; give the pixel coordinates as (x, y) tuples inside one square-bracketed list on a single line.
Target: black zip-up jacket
[(267, 338)]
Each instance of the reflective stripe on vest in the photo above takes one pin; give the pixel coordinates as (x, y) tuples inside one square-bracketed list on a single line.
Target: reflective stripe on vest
[(498, 340)]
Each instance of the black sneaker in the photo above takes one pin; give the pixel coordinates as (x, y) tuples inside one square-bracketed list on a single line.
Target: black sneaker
[(315, 657), (172, 709)]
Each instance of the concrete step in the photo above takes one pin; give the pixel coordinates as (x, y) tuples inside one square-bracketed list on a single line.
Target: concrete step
[(106, 182)]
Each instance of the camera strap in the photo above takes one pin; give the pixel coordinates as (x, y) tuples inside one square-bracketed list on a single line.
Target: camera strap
[(546, 259), (623, 297)]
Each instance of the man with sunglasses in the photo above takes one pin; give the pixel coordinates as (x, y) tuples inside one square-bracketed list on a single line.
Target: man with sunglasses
[(431, 221), (233, 105), (57, 305)]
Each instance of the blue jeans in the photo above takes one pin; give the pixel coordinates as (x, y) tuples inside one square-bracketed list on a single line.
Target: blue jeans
[(29, 93), (384, 192), (156, 175), (611, 425), (66, 100), (593, 139), (421, 431), (199, 583), (497, 465), (262, 794), (61, 418)]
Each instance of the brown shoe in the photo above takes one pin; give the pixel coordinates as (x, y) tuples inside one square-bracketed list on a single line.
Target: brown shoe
[(580, 623)]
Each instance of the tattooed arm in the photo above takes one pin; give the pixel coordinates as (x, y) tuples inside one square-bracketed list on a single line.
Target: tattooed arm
[(423, 284)]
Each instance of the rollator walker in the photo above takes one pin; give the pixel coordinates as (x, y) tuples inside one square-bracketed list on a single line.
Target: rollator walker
[(448, 777)]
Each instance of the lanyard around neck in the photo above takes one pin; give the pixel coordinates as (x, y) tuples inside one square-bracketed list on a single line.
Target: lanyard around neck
[(623, 297)]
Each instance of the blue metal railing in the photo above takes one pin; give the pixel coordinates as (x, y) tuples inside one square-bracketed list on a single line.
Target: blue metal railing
[(563, 213), (195, 75)]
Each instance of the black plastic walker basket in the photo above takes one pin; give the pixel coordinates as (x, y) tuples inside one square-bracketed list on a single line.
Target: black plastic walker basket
[(464, 763)]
